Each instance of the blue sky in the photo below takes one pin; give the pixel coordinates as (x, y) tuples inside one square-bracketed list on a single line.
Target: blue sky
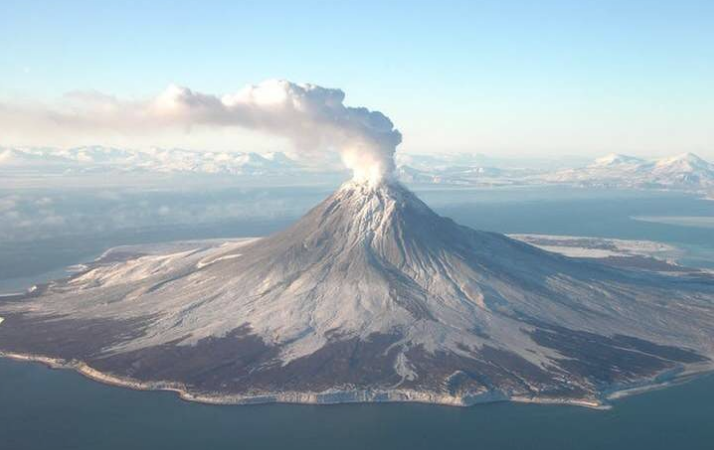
[(498, 77)]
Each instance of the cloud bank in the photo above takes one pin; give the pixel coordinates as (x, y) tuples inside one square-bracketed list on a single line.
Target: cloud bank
[(313, 118)]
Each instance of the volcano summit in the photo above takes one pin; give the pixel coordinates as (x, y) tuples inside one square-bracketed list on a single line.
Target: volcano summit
[(371, 296)]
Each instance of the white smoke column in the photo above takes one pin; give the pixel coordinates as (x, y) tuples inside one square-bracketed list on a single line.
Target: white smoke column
[(314, 118)]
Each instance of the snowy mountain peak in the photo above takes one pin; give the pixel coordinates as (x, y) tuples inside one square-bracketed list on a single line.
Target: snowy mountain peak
[(688, 161), (684, 170), (614, 159), (368, 216), (386, 188)]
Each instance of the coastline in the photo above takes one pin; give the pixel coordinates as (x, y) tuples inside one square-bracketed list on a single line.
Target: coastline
[(601, 401), (335, 397)]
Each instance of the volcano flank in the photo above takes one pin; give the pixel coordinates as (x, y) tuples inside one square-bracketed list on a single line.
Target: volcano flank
[(371, 296)]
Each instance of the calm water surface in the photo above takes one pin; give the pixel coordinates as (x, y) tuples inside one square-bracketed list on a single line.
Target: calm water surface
[(58, 409)]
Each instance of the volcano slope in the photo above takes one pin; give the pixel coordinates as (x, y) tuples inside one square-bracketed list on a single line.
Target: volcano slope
[(369, 297)]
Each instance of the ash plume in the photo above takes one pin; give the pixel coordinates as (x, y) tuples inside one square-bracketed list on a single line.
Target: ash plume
[(314, 119)]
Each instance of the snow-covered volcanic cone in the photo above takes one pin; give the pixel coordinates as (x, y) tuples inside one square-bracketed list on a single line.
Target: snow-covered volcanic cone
[(371, 296)]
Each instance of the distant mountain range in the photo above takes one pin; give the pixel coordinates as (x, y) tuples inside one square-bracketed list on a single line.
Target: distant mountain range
[(686, 172), (97, 158)]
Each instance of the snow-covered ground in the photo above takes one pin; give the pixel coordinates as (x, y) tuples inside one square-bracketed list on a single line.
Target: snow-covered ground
[(592, 247)]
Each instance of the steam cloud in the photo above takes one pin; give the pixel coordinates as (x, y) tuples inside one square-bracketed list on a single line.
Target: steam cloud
[(315, 119)]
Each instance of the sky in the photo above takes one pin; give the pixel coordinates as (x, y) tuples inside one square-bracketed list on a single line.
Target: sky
[(508, 78)]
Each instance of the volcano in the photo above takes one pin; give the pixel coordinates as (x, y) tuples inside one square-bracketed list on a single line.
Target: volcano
[(371, 296)]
